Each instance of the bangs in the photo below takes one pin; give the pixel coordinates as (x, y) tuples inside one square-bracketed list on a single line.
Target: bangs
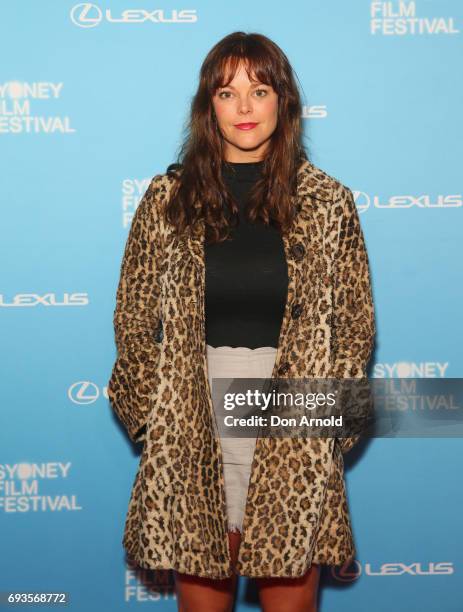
[(257, 68)]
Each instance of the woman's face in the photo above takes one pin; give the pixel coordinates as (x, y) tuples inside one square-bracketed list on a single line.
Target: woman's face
[(254, 106)]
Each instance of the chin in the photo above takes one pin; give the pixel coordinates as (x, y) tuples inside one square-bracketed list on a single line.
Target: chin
[(250, 143)]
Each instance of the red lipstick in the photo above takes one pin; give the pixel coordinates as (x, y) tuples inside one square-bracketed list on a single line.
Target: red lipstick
[(245, 126)]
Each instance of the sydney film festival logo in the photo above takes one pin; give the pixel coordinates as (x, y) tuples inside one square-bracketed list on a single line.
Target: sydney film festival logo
[(18, 112), (37, 487), (405, 18)]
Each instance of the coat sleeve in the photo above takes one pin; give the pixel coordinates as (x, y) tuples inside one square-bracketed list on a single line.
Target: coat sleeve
[(353, 322), (137, 319)]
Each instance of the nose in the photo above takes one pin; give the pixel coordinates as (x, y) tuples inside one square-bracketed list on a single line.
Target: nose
[(244, 105)]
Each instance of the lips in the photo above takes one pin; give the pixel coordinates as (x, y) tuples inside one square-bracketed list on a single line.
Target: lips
[(245, 126)]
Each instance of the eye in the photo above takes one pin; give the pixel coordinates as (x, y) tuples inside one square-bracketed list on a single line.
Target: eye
[(260, 93)]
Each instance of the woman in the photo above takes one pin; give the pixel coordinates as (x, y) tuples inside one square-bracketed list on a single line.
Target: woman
[(243, 261)]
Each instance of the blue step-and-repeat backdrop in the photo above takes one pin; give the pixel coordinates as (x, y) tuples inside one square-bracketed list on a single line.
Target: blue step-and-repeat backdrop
[(93, 101)]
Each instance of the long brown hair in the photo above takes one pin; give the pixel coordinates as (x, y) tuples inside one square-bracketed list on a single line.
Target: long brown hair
[(199, 191)]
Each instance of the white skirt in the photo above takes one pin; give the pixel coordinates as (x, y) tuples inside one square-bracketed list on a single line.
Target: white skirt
[(237, 453)]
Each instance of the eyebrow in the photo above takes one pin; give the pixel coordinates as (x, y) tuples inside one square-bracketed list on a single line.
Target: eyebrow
[(231, 86)]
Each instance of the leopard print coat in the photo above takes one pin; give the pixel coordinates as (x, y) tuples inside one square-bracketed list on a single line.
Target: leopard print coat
[(296, 511)]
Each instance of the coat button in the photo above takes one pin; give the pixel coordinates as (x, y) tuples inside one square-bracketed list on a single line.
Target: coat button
[(298, 251), (159, 332), (283, 368), (296, 311)]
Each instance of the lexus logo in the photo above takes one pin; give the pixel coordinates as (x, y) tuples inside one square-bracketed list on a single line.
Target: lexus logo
[(347, 573), (83, 392), (86, 15), (362, 201)]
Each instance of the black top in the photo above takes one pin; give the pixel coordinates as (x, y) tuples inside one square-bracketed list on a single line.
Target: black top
[(246, 276)]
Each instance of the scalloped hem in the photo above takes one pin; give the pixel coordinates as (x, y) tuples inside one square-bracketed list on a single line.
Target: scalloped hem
[(266, 350)]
